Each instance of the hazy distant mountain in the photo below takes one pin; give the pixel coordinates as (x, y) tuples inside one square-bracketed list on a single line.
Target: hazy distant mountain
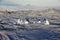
[(9, 8), (51, 10), (15, 8)]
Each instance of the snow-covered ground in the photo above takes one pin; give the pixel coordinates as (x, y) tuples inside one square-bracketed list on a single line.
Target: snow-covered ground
[(10, 29)]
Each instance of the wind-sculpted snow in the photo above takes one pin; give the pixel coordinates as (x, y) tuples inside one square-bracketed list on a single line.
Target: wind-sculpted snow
[(30, 33), (4, 37), (33, 34), (11, 30)]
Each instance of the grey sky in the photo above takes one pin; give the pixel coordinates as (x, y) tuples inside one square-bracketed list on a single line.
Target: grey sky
[(37, 3)]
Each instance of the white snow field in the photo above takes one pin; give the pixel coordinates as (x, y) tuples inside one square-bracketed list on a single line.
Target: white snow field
[(29, 24)]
